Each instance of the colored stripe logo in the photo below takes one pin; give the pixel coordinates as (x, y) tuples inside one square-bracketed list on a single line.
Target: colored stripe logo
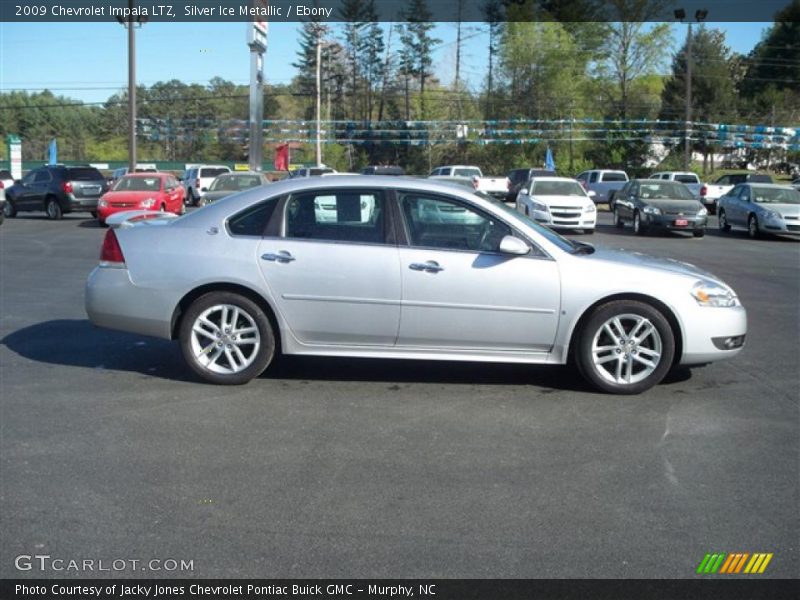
[(734, 563)]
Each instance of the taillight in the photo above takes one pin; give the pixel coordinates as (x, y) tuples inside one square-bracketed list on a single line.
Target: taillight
[(1, 185), (704, 191), (111, 252), (67, 187)]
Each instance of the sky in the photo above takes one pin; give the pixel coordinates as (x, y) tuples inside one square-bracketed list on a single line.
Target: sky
[(88, 61)]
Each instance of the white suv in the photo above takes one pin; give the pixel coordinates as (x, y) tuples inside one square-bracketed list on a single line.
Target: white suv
[(198, 178)]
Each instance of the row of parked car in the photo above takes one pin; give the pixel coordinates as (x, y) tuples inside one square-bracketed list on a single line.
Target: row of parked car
[(671, 200)]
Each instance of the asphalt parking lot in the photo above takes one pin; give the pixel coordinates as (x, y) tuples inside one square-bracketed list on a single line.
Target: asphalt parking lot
[(111, 449)]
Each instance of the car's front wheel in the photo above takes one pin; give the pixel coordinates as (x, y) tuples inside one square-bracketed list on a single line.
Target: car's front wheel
[(617, 220), (638, 226), (723, 221), (752, 227), (625, 347), (226, 338)]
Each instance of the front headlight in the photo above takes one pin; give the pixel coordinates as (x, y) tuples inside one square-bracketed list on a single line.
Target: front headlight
[(651, 210), (590, 209), (709, 293), (102, 203), (702, 212), (773, 216), (540, 207), (147, 203)]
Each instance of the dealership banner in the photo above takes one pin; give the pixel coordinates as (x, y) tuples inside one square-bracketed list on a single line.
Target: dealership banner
[(393, 589), (386, 10)]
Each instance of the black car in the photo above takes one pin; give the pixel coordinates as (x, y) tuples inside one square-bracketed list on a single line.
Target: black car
[(57, 190), (658, 204), (383, 170), (519, 177)]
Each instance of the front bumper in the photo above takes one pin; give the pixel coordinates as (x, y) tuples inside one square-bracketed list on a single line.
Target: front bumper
[(706, 330), (671, 222), (781, 227), (581, 221)]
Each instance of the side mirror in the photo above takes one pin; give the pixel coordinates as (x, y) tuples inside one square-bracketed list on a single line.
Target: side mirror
[(525, 191), (591, 193), (513, 245)]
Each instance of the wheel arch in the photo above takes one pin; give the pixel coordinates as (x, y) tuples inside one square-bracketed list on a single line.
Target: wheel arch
[(668, 313), (251, 294)]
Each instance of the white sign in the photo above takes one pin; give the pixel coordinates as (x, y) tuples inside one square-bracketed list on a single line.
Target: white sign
[(16, 160)]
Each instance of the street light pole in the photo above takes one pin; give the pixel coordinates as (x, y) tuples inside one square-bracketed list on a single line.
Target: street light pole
[(131, 91)]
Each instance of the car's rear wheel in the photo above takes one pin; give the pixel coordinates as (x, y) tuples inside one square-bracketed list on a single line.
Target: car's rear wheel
[(9, 210), (752, 227), (625, 347), (226, 338), (698, 233), (638, 227), (723, 221), (53, 209)]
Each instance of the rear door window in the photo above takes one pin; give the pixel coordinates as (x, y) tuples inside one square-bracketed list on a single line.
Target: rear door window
[(356, 216), (42, 176), (593, 177)]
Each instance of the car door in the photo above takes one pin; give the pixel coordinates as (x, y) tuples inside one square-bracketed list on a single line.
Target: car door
[(460, 292), (335, 271), (37, 191), (623, 201)]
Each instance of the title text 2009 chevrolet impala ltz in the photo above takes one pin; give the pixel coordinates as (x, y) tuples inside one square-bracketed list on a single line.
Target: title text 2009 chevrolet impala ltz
[(402, 268)]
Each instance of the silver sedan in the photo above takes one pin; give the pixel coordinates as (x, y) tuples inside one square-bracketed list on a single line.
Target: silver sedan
[(261, 272)]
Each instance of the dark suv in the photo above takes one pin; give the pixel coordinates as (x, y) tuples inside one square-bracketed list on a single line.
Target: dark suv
[(57, 190), (519, 177)]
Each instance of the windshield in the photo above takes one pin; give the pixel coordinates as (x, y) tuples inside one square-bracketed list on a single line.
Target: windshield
[(234, 183), (664, 191), (765, 195), (557, 188), (547, 233), (138, 184)]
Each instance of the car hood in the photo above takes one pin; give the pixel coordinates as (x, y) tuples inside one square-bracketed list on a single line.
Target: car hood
[(212, 196), (786, 210), (639, 259), (576, 201), (667, 205), (129, 196)]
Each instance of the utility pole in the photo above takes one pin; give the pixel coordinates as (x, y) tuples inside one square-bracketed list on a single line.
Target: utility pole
[(131, 23), (318, 107), (700, 15)]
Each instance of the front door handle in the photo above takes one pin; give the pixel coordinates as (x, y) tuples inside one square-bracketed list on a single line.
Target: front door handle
[(430, 266), (281, 256)]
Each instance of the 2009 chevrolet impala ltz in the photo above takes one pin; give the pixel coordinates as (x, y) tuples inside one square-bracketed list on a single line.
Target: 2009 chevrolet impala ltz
[(371, 267)]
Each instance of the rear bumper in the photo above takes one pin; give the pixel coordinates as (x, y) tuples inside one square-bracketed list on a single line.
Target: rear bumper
[(75, 204)]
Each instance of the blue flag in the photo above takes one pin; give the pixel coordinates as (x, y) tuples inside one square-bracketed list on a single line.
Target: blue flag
[(53, 152), (549, 163)]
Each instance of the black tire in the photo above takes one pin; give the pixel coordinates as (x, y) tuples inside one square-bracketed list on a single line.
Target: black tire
[(723, 221), (698, 233), (627, 311), (752, 227), (588, 231), (53, 209), (192, 200), (638, 226), (9, 210), (250, 312), (94, 214), (618, 223), (2, 217)]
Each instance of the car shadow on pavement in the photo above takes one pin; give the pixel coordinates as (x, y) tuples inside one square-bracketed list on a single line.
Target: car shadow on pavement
[(78, 343)]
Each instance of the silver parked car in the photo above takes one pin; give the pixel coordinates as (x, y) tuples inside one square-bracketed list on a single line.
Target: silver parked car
[(761, 208), (263, 270)]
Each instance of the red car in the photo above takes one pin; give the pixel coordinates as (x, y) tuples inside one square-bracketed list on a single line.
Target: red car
[(142, 191)]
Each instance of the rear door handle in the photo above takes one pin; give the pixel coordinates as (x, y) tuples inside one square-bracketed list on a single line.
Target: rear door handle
[(431, 266), (281, 256)]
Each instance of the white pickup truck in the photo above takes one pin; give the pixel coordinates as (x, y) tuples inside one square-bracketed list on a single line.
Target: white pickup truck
[(687, 178), (601, 184), (712, 192), (496, 187)]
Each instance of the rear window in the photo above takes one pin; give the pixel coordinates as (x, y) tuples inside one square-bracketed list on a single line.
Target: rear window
[(687, 178), (83, 174), (213, 171), (614, 177)]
